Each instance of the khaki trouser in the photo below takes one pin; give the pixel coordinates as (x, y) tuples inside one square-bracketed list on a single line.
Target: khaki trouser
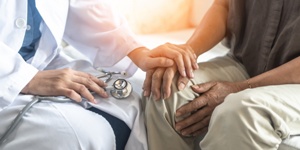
[(252, 119)]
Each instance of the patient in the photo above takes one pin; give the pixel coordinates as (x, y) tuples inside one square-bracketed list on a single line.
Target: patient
[(246, 100), (31, 64)]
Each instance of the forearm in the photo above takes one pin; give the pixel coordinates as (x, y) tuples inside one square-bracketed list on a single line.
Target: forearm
[(212, 28), (288, 73), (137, 54)]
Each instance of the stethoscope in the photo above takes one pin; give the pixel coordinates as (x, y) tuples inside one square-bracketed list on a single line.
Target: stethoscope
[(120, 89)]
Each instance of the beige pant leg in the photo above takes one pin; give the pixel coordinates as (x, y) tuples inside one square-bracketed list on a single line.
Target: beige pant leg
[(255, 119), (159, 115)]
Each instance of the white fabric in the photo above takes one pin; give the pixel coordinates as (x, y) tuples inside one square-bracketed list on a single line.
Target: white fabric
[(92, 27), (80, 125), (89, 28)]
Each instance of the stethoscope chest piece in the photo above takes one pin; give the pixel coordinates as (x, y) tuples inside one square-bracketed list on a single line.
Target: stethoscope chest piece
[(122, 89)]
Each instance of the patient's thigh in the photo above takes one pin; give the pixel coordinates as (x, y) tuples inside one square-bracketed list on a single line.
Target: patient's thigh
[(60, 126)]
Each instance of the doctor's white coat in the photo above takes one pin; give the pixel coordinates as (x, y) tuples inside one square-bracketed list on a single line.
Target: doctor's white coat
[(93, 28)]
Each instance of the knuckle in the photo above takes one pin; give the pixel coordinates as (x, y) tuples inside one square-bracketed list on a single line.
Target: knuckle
[(178, 55), (69, 93), (156, 76), (89, 81), (81, 88), (168, 75), (67, 70), (198, 104)]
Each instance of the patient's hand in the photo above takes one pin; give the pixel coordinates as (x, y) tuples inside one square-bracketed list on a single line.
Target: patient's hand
[(160, 79), (65, 82), (211, 94)]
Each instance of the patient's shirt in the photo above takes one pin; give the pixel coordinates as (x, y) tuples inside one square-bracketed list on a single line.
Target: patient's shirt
[(33, 33), (263, 34)]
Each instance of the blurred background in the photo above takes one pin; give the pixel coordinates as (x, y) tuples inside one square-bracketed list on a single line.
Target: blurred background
[(159, 16), (156, 22)]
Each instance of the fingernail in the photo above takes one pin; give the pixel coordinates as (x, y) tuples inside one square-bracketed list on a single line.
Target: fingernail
[(183, 73), (95, 101), (177, 128), (146, 93), (195, 86), (192, 74), (178, 113), (105, 94), (155, 97), (181, 86), (196, 66), (184, 133), (165, 95)]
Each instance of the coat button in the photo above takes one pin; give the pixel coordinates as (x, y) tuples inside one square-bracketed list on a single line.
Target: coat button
[(28, 27), (20, 23)]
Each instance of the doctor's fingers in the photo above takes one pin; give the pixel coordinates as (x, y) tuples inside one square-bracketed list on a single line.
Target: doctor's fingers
[(190, 58), (88, 79), (183, 58), (95, 85), (76, 91)]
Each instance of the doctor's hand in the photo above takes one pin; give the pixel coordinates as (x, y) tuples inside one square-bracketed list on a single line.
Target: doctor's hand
[(65, 82), (165, 56), (200, 109), (159, 81)]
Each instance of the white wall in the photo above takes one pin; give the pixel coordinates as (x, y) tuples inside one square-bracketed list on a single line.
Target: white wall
[(149, 16), (199, 8), (156, 16)]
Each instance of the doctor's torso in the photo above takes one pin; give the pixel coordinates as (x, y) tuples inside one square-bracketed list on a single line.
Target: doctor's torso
[(13, 26)]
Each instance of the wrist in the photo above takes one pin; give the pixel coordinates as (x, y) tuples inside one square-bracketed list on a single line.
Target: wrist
[(249, 84), (137, 54)]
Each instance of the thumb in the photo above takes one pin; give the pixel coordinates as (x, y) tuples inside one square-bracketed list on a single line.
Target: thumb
[(201, 88), (182, 82), (158, 62)]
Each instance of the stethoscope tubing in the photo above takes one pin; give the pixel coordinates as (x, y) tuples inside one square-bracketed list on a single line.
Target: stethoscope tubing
[(37, 99), (20, 115)]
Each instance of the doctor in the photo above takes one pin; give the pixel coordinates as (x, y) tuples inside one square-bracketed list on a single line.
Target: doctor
[(32, 64)]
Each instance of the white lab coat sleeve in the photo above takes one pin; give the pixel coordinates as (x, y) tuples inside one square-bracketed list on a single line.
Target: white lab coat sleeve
[(99, 32), (14, 76)]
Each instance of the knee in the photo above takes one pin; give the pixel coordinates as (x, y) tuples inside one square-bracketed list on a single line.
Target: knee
[(240, 108), (166, 108)]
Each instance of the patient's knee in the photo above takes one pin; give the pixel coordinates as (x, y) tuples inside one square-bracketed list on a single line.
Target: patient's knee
[(242, 108)]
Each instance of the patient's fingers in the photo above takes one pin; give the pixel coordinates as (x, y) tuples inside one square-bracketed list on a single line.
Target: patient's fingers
[(156, 83), (167, 81), (182, 82), (147, 83)]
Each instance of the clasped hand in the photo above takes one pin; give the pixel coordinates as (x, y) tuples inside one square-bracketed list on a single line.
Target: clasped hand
[(158, 83), (76, 84)]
